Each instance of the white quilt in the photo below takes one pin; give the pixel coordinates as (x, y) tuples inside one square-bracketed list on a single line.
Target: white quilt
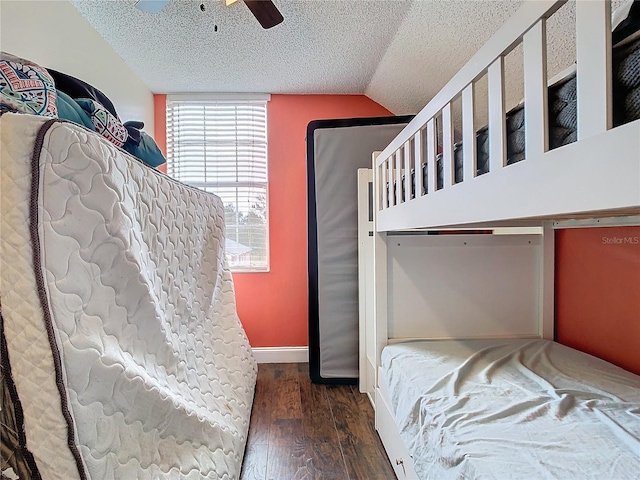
[(513, 409), (119, 312)]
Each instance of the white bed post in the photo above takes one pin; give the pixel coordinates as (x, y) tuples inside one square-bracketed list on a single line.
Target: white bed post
[(390, 168), (398, 180), (380, 282), (497, 114), (418, 156), (383, 193), (535, 90), (380, 289), (408, 153), (593, 45), (547, 282), (432, 150), (448, 165), (469, 145), (365, 280)]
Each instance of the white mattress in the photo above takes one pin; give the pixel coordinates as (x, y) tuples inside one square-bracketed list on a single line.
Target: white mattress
[(517, 409), (119, 313)]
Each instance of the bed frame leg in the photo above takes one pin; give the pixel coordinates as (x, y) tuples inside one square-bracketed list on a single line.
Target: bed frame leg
[(547, 285)]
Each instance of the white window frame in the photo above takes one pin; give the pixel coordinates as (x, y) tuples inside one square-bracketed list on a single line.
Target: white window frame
[(231, 98)]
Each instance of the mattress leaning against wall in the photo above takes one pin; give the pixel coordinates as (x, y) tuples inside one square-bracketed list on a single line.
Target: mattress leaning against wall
[(123, 343), (336, 149)]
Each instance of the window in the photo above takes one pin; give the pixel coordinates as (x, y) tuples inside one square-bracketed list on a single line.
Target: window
[(219, 144)]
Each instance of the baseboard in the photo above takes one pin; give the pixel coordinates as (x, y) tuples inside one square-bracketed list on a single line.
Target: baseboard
[(281, 354)]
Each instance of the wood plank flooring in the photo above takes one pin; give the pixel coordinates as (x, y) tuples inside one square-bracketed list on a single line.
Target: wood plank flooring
[(301, 430)]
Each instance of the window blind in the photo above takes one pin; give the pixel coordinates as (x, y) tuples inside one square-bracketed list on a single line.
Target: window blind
[(221, 146)]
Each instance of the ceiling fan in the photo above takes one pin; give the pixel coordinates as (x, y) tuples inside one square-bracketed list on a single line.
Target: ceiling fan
[(264, 10)]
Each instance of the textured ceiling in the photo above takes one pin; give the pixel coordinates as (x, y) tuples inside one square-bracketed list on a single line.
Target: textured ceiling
[(321, 47), (434, 41), (398, 52)]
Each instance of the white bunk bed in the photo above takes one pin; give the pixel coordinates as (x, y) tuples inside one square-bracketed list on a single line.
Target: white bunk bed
[(457, 291)]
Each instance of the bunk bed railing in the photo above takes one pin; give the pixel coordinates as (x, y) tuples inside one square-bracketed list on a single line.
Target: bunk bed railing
[(398, 169)]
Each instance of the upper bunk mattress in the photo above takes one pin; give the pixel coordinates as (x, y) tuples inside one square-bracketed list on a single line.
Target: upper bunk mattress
[(124, 355), (562, 114), (513, 409)]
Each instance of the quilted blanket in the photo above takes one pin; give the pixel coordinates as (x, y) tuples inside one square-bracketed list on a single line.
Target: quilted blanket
[(122, 353)]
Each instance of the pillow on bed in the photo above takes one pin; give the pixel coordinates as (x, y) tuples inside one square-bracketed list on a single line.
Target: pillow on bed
[(26, 87), (76, 88), (147, 151), (106, 124), (625, 23), (69, 109)]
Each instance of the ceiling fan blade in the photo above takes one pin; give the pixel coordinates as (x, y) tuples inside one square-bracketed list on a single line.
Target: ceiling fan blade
[(265, 12), (151, 6)]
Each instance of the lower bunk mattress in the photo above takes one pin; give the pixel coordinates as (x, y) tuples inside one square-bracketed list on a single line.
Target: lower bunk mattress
[(122, 353), (519, 409)]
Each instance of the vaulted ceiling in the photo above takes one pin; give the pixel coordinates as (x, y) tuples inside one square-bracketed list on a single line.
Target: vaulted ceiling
[(398, 52)]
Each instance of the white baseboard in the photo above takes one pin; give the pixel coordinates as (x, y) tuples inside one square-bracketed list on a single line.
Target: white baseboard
[(281, 354)]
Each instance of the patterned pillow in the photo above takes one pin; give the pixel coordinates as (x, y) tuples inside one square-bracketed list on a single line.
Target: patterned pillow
[(26, 87), (106, 124)]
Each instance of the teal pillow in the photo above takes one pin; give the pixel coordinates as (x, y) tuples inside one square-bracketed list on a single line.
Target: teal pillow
[(69, 109), (148, 150)]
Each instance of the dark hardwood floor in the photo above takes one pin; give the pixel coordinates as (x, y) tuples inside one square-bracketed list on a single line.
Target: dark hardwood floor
[(301, 430)]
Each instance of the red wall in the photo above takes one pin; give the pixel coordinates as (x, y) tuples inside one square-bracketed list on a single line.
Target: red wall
[(597, 280), (273, 306), (598, 293), (160, 125)]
